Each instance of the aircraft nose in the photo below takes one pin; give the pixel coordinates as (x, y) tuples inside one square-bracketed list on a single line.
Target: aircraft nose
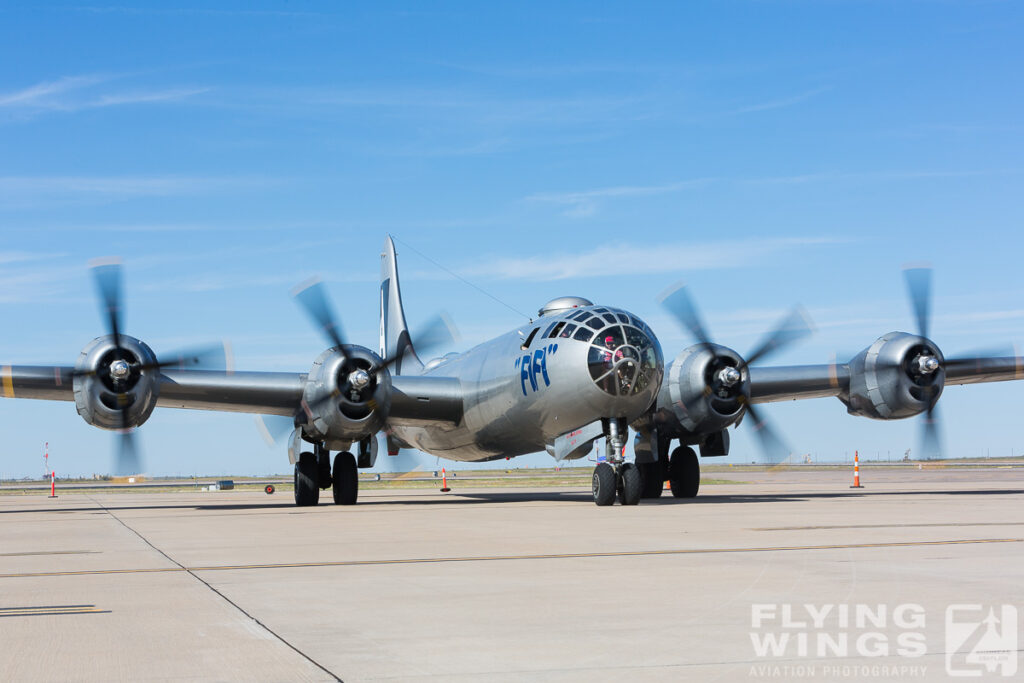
[(624, 361)]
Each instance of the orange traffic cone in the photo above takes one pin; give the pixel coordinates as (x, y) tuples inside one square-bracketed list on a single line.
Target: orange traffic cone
[(856, 471), (444, 481)]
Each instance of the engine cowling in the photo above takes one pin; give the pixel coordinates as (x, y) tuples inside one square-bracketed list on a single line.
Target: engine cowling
[(707, 387), (110, 389), (900, 375), (347, 397)]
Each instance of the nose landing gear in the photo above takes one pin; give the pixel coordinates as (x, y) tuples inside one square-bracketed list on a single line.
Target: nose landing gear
[(615, 477)]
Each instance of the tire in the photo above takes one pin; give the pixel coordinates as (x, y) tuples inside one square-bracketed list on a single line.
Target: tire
[(632, 486), (306, 491), (346, 479), (323, 468), (652, 480), (604, 484), (684, 473)]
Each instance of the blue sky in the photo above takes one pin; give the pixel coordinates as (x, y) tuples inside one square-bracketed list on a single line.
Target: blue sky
[(768, 153)]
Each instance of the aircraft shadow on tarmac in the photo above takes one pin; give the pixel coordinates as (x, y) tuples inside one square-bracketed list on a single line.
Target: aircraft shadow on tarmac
[(455, 498)]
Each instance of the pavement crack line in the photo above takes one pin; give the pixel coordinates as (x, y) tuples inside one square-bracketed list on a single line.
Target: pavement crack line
[(224, 597), (512, 558)]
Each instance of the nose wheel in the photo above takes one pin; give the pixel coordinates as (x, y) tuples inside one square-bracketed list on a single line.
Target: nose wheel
[(621, 481)]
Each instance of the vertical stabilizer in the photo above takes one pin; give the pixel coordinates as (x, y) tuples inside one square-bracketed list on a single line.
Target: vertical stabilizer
[(394, 334)]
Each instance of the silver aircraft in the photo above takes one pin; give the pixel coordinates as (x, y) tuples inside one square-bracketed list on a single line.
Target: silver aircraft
[(578, 373)]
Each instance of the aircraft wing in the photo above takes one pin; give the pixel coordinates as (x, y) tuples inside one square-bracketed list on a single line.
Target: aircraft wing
[(789, 383), (265, 393)]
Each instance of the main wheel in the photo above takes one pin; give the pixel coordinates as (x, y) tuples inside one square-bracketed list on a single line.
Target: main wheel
[(652, 480), (306, 491), (346, 479), (629, 494), (604, 484), (323, 467), (684, 473)]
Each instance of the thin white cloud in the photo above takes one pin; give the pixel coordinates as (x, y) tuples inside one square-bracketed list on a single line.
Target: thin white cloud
[(75, 93), (618, 191), (585, 202), (41, 93), (143, 97), (9, 257), (630, 260), (780, 103), (30, 190)]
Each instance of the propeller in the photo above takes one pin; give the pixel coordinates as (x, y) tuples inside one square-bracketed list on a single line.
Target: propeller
[(437, 332), (919, 280), (123, 371), (919, 289), (726, 379)]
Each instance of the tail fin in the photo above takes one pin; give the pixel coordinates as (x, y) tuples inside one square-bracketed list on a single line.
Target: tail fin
[(394, 333)]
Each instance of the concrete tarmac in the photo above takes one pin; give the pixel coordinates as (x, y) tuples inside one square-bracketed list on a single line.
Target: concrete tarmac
[(518, 584)]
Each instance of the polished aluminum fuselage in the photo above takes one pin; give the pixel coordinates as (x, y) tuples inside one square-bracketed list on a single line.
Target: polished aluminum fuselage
[(503, 414)]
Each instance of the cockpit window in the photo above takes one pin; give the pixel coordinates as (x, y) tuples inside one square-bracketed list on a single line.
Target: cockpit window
[(610, 337), (555, 329), (595, 323), (567, 331), (583, 334), (529, 340), (623, 358), (578, 315)]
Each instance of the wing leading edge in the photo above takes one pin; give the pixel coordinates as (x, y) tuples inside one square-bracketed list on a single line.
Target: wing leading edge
[(265, 393), (795, 382)]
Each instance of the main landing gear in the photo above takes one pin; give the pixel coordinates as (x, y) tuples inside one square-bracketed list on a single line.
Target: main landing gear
[(652, 479), (684, 472), (313, 472)]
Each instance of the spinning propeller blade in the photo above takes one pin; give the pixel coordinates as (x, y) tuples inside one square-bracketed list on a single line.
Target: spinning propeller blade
[(791, 329), (106, 275), (312, 296), (919, 287), (679, 303)]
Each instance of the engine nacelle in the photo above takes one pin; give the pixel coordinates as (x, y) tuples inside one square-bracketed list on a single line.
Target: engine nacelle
[(693, 386), (111, 390), (347, 397), (900, 375)]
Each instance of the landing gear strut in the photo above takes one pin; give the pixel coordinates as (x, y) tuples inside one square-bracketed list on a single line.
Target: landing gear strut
[(615, 477)]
